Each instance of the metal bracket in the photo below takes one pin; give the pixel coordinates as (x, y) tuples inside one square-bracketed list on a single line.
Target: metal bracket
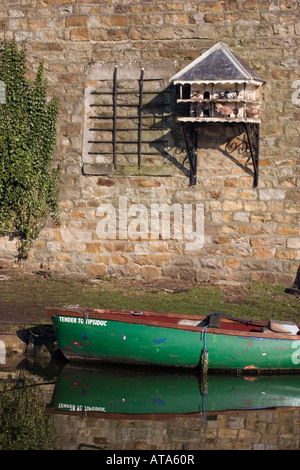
[(191, 136), (253, 143), (250, 144)]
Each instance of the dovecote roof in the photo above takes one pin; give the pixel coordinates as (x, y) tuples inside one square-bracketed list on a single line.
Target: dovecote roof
[(219, 64)]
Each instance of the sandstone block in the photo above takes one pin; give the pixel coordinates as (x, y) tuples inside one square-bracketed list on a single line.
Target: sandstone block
[(109, 182), (250, 229), (72, 21), (119, 20), (64, 2), (72, 247), (150, 272), (267, 194), (264, 253), (143, 260), (259, 242), (94, 248), (244, 252), (78, 214), (64, 258), (251, 206), (100, 21), (149, 183), (20, 23), (293, 243), (114, 34), (231, 182), (288, 254), (230, 193), (226, 229), (222, 240), (248, 194), (233, 205), (286, 230), (16, 13), (159, 246), (68, 77), (132, 270), (162, 259), (241, 216), (38, 23), (119, 259), (96, 270), (263, 277), (80, 34), (231, 263), (64, 236), (123, 246)]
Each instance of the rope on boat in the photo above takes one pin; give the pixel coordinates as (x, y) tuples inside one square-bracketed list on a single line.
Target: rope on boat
[(204, 354), (85, 316), (204, 371)]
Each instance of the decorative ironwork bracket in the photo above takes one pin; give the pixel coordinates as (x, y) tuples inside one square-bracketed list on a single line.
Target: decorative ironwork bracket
[(251, 144), (191, 136)]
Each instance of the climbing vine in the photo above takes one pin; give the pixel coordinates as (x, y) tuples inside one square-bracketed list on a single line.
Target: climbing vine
[(24, 424), (28, 177)]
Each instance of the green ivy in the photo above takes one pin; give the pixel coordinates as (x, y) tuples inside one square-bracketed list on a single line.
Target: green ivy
[(24, 424), (28, 178)]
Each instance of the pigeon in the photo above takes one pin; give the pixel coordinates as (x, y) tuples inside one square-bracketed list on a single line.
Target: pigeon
[(196, 96), (251, 111), (199, 109), (224, 110), (230, 95)]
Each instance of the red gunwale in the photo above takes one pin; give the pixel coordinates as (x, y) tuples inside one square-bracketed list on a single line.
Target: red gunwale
[(231, 327)]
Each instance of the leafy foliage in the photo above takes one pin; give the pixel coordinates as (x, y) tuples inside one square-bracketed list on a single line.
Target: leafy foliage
[(28, 180), (24, 425)]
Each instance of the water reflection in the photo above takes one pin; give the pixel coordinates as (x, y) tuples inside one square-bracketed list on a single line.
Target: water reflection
[(133, 391), (120, 408)]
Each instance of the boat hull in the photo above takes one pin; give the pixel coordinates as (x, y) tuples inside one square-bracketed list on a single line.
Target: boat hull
[(101, 339), (122, 342)]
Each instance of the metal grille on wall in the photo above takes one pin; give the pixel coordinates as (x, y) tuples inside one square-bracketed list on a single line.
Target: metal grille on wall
[(129, 122)]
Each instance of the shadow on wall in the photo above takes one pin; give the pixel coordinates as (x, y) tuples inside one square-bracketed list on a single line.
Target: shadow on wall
[(295, 289), (228, 138), (171, 144)]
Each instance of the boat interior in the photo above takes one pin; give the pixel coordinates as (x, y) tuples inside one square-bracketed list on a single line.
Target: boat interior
[(212, 321), (217, 321)]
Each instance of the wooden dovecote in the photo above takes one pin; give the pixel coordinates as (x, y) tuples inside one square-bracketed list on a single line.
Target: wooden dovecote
[(219, 86)]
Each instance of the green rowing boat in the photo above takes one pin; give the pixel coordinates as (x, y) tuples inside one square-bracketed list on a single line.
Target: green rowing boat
[(116, 392), (214, 342)]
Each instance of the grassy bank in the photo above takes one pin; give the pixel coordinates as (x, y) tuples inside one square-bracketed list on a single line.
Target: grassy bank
[(30, 294)]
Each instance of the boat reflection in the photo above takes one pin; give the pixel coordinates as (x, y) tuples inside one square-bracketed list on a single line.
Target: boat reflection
[(113, 392)]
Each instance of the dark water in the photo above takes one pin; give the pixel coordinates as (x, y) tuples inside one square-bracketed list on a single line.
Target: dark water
[(46, 404)]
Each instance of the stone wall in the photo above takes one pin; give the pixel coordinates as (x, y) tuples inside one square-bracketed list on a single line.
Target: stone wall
[(249, 233), (256, 430)]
